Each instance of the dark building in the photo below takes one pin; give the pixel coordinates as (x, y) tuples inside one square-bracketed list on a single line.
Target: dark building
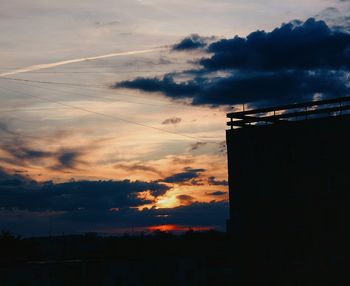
[(289, 186)]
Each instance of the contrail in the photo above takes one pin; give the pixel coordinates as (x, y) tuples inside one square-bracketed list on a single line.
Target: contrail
[(67, 62)]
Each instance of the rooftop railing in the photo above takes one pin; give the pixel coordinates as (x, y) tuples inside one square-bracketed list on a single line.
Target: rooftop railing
[(288, 113)]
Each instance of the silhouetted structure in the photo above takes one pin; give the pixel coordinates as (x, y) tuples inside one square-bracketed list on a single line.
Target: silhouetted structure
[(289, 186), (155, 259)]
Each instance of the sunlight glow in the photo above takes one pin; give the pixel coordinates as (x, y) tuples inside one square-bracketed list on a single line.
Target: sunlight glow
[(174, 227), (167, 202)]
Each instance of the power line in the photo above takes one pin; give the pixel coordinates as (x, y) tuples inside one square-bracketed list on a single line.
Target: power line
[(96, 72), (110, 116), (105, 97), (95, 96), (29, 109), (48, 82), (137, 65), (79, 60), (88, 87)]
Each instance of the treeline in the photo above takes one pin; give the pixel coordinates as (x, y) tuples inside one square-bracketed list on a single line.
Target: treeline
[(94, 247)]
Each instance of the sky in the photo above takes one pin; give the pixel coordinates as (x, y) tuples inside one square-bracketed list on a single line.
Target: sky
[(113, 113)]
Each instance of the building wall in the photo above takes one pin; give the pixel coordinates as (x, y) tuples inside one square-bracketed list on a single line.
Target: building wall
[(290, 194)]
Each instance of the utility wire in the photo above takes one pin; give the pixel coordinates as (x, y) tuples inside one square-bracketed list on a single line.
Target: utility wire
[(88, 87), (167, 105), (104, 65), (49, 82), (95, 96), (110, 116), (25, 109), (95, 72)]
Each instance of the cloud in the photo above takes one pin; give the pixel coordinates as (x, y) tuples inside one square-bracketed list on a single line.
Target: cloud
[(21, 154), (213, 214), (185, 176), (196, 145), (167, 85), (335, 18), (182, 160), (138, 167), (68, 159), (17, 192), (296, 45), (237, 88), (24, 150), (10, 181), (4, 128), (191, 42), (27, 207), (294, 62), (212, 181), (217, 193), (222, 149), (26, 153), (172, 120), (185, 199), (18, 152)]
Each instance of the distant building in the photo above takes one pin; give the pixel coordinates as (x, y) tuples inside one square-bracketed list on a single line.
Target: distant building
[(289, 181)]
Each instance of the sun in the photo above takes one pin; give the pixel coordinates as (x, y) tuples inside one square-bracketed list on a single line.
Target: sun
[(167, 202)]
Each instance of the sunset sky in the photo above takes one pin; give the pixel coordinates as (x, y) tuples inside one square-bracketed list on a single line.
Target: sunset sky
[(113, 113)]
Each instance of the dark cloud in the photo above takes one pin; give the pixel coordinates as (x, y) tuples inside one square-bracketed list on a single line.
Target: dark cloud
[(138, 167), (292, 63), (217, 193), (5, 129), (209, 214), (191, 42), (10, 181), (20, 152), (182, 161), (222, 149), (212, 215), (185, 199), (23, 153), (30, 208), (172, 120), (196, 145), (68, 159), (335, 18), (185, 176), (282, 86), (167, 85), (17, 192), (214, 182), (296, 45)]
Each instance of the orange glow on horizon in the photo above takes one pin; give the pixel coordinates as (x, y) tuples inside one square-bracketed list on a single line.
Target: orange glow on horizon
[(174, 227)]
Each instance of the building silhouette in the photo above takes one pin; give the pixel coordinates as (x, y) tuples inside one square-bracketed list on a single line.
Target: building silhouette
[(289, 184)]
